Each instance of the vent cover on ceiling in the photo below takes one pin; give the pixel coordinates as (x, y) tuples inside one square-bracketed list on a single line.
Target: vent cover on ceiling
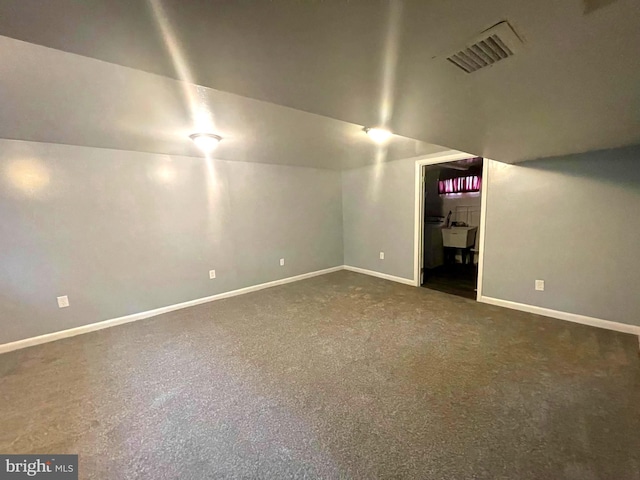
[(491, 46)]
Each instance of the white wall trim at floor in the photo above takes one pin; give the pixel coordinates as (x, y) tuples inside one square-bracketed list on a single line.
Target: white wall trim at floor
[(72, 332), (570, 317), (393, 278), (50, 337)]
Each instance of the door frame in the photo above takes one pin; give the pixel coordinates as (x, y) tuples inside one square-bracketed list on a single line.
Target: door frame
[(434, 159)]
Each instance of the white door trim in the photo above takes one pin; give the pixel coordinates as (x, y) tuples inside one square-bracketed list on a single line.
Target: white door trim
[(443, 157), (483, 219)]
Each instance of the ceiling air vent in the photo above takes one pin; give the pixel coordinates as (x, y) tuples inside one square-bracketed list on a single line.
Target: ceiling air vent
[(491, 46)]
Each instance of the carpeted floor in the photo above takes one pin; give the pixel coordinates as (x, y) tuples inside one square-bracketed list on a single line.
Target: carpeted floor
[(339, 376)]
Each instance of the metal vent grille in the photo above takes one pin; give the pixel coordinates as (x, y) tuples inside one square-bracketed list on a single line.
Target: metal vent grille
[(493, 45)]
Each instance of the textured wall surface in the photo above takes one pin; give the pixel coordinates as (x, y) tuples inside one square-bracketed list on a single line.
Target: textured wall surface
[(123, 232), (572, 222), (378, 212)]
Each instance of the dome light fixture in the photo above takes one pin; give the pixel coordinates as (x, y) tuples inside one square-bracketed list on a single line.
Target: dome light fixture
[(206, 142), (377, 134)]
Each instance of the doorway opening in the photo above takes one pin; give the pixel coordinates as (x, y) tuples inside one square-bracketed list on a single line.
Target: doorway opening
[(451, 217)]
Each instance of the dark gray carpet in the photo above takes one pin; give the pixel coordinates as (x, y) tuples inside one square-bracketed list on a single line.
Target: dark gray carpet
[(340, 376)]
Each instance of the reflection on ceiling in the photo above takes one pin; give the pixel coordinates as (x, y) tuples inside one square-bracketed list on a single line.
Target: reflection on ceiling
[(104, 105), (573, 86)]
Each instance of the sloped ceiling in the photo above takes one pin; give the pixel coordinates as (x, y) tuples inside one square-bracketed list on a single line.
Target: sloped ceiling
[(575, 86), (52, 96)]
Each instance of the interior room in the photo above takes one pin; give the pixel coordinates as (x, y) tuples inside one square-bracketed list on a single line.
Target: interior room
[(321, 240), (452, 212)]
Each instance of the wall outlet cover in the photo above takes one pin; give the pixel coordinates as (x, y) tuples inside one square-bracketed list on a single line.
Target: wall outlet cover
[(381, 255), (282, 262), (212, 274), (63, 301), (540, 285)]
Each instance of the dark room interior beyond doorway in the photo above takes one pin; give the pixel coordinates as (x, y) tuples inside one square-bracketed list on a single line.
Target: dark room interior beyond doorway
[(452, 204)]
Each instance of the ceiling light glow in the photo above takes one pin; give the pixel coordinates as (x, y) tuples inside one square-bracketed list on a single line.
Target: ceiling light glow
[(206, 142), (378, 135)]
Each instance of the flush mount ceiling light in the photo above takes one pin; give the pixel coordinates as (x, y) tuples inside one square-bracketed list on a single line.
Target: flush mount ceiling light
[(378, 135), (205, 141)]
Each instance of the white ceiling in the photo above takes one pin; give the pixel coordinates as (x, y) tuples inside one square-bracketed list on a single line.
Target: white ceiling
[(575, 86), (52, 96)]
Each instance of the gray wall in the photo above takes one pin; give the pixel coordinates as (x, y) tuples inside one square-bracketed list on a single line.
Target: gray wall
[(573, 222), (122, 232), (570, 221), (378, 212)]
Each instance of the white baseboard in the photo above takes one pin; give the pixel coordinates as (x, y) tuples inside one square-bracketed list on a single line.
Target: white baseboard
[(50, 337), (92, 327), (393, 278), (570, 317)]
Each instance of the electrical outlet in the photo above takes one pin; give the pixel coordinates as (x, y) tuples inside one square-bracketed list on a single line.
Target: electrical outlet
[(540, 285), (381, 255), (282, 262), (212, 274), (63, 301)]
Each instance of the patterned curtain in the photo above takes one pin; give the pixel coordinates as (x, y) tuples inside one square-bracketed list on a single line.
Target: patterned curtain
[(471, 183)]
